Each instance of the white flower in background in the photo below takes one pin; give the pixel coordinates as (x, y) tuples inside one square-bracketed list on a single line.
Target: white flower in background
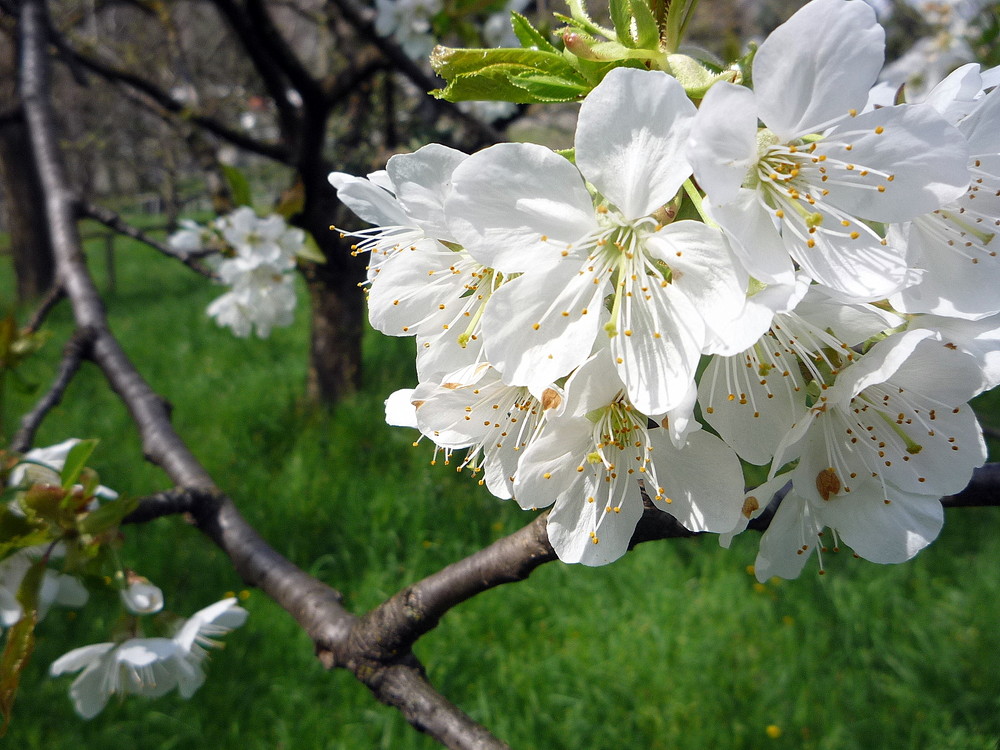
[(409, 23), (261, 298), (261, 241), (589, 461), (522, 209), (875, 452), (262, 253), (804, 188), (147, 666), (57, 588), (190, 238)]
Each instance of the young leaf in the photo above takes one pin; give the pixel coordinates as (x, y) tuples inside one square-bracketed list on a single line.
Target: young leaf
[(621, 17), (648, 33), (108, 515), (449, 62), (75, 461), (529, 36), (551, 88), (310, 250), (239, 185)]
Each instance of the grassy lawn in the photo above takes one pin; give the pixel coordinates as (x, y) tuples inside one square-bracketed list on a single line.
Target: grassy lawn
[(675, 646)]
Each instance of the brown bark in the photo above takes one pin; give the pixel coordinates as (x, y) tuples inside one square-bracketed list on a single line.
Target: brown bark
[(22, 199)]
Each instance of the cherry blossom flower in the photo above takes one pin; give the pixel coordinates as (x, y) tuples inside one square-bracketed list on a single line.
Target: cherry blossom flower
[(805, 188), (875, 452), (589, 461), (147, 666), (522, 209)]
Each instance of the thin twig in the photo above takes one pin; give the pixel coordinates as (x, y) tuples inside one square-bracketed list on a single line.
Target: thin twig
[(113, 221), (48, 303), (74, 352)]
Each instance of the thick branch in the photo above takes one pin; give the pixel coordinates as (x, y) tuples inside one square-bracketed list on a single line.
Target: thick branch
[(110, 219)]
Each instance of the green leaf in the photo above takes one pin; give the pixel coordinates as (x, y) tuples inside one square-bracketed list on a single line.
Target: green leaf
[(621, 17), (75, 461), (310, 250), (239, 185), (551, 88), (490, 85), (648, 36), (529, 36), (20, 642), (107, 516), (17, 532), (449, 62)]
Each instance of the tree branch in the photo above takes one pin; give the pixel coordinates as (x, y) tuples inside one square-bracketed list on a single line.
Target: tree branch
[(278, 152), (73, 354), (112, 220), (317, 608), (363, 22), (52, 298)]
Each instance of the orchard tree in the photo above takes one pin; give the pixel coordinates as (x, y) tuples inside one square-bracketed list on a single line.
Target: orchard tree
[(772, 262)]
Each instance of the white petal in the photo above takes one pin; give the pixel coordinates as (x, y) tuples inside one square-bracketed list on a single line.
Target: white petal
[(595, 533), (817, 65), (537, 356), (506, 198), (754, 238), (702, 483), (657, 347), (926, 157), (885, 533), (79, 658), (399, 411), (631, 139), (368, 201), (548, 467), (792, 527), (422, 181), (723, 143)]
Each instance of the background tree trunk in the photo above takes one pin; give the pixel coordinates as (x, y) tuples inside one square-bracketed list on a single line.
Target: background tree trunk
[(21, 197)]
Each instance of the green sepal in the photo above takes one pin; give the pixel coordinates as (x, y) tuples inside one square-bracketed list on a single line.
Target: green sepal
[(239, 185), (76, 459), (46, 503), (529, 36), (20, 642), (107, 516), (569, 154)]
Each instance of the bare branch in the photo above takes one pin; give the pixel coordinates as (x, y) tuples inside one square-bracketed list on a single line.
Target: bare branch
[(112, 220), (52, 298), (277, 152), (363, 22), (73, 354)]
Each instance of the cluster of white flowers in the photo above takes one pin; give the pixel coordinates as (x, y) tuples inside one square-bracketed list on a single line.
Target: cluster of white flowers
[(257, 258), (147, 666), (409, 23), (820, 292)]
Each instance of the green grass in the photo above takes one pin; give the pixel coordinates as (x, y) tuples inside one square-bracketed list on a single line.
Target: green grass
[(674, 646)]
